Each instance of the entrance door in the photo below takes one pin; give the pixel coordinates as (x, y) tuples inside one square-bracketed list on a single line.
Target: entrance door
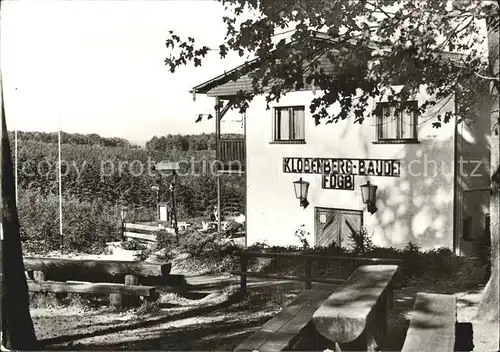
[(335, 225)]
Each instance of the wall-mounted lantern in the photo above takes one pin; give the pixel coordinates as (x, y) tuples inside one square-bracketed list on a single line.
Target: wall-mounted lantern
[(301, 189), (123, 213), (369, 195)]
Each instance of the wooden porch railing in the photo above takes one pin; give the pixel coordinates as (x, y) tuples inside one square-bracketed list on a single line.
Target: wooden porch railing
[(308, 278), (231, 150)]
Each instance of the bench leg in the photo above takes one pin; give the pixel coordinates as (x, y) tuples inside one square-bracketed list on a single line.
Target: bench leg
[(116, 300), (130, 300)]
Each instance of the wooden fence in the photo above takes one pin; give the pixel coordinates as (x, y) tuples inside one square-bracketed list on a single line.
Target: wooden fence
[(308, 278)]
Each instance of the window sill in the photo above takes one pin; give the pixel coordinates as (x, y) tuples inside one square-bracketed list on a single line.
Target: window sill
[(397, 141), (288, 142)]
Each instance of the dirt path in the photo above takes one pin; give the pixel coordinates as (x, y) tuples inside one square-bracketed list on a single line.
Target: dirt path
[(191, 325)]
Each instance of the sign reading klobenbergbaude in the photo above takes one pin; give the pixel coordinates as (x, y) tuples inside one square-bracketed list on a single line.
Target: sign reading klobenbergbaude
[(339, 173)]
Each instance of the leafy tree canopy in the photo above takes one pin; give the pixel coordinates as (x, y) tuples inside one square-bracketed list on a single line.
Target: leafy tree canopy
[(371, 45)]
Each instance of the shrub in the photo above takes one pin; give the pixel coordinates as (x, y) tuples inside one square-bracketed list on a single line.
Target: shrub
[(412, 261), (39, 220), (166, 240), (361, 240), (87, 226), (302, 235), (441, 262), (258, 247), (485, 253), (331, 250), (205, 244), (133, 245), (433, 264)]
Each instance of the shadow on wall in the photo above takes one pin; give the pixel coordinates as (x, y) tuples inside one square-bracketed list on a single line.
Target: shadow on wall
[(418, 205), (473, 183)]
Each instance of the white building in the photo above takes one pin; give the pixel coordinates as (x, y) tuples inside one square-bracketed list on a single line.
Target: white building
[(432, 184)]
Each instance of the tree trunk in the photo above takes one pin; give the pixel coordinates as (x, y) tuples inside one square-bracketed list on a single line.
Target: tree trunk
[(17, 327), (488, 307)]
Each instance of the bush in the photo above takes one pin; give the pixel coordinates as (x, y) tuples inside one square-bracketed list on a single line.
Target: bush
[(165, 240), (39, 220), (302, 235), (361, 240), (433, 264), (204, 244), (86, 226), (133, 245)]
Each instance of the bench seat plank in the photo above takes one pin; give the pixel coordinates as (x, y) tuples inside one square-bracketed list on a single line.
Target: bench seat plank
[(142, 227), (110, 267), (277, 333), (432, 324), (94, 288), (140, 236), (343, 317), (288, 332)]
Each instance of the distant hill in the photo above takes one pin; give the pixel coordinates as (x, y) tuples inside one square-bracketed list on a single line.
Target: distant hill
[(112, 170), (71, 138), (192, 142), (166, 143)]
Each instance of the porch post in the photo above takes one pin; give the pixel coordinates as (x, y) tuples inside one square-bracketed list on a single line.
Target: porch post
[(2, 299), (217, 158)]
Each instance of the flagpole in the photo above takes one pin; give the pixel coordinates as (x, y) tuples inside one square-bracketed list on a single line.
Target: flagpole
[(15, 156), (60, 186), (2, 146)]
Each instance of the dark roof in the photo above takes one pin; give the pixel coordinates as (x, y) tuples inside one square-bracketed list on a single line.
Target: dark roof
[(224, 85), (225, 79), (228, 84)]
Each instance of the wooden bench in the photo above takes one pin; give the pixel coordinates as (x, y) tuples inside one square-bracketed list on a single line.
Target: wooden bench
[(283, 331), (355, 316), (98, 272), (96, 267), (432, 324), (116, 291)]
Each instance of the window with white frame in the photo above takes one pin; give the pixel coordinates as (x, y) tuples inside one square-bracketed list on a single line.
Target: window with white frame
[(397, 121), (289, 123)]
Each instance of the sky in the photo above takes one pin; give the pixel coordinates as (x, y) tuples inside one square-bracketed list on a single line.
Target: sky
[(98, 66)]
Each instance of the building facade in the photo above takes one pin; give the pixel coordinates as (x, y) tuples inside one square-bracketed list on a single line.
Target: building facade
[(432, 184)]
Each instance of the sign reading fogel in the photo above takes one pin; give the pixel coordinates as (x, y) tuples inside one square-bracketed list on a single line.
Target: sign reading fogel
[(330, 166)]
